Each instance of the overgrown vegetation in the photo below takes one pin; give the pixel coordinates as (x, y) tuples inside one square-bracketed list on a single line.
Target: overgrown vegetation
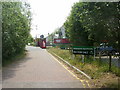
[(16, 19), (94, 68), (14, 59), (91, 23)]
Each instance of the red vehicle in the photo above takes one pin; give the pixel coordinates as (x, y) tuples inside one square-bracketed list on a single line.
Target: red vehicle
[(61, 41), (42, 43)]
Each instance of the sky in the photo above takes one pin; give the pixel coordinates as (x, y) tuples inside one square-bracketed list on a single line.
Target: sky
[(47, 15)]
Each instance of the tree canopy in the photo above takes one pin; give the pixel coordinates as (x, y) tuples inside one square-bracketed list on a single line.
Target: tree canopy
[(16, 19), (91, 23)]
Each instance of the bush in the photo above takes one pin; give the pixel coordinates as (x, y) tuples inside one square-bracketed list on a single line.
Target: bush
[(15, 28)]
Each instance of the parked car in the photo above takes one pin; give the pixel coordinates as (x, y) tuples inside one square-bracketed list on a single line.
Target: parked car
[(105, 49)]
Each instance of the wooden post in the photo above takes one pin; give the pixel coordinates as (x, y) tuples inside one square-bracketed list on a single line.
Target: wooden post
[(73, 56), (94, 53), (100, 55), (83, 59), (110, 58), (99, 58)]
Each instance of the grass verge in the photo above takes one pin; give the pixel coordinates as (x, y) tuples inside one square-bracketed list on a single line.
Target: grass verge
[(97, 69), (13, 59)]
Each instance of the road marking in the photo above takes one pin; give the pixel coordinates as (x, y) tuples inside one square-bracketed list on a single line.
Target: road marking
[(88, 84), (82, 81)]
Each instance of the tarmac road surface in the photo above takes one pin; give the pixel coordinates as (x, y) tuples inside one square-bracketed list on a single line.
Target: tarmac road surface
[(38, 70)]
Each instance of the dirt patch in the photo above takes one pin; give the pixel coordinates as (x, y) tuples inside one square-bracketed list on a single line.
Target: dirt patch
[(107, 80)]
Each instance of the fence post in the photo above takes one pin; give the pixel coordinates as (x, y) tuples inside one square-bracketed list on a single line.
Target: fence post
[(99, 55), (110, 58), (73, 56), (83, 59), (94, 53)]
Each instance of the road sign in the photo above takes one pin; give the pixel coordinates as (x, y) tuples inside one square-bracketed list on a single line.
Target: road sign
[(41, 36), (84, 50)]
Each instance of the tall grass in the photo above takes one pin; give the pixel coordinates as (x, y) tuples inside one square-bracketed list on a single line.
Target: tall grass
[(94, 68)]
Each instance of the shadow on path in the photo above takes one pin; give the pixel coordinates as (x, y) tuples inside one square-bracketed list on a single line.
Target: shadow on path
[(9, 71)]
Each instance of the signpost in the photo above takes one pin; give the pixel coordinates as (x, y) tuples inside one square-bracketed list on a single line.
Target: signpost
[(84, 50)]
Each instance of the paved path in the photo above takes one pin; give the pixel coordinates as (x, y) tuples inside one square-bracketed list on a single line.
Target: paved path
[(38, 70)]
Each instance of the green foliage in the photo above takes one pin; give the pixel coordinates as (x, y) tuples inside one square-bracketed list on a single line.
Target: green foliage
[(90, 23), (15, 28), (74, 28), (94, 68), (14, 59), (103, 23), (30, 39)]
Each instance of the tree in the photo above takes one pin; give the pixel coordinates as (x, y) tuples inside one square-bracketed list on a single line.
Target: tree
[(74, 28), (103, 22), (15, 28), (91, 23), (30, 39)]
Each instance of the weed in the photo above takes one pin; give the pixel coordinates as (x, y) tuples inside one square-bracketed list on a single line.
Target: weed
[(95, 68)]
